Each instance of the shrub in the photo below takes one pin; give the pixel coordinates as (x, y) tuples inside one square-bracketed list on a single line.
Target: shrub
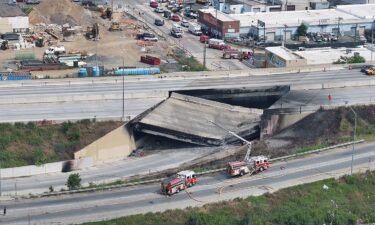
[(74, 181), (39, 157)]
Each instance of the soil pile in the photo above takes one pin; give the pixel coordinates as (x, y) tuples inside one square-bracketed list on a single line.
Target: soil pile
[(61, 12)]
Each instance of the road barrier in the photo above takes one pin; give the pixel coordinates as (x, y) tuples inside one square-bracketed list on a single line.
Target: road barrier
[(92, 189)]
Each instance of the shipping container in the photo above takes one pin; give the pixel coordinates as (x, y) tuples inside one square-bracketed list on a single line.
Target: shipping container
[(4, 78)]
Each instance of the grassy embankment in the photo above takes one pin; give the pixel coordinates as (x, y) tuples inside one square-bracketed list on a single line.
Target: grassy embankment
[(349, 200), (31, 143)]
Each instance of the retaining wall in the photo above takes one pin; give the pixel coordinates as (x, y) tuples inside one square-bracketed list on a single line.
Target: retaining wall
[(55, 167), (116, 145)]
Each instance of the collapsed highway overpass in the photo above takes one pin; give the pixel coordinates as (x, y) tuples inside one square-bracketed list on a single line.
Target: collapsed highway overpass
[(186, 116)]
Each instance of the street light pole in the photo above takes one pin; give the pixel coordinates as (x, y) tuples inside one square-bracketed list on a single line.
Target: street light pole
[(354, 137), (372, 38), (123, 89)]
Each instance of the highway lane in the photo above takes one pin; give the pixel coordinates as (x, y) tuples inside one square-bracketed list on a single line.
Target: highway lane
[(183, 84), (141, 199), (62, 111), (107, 172)]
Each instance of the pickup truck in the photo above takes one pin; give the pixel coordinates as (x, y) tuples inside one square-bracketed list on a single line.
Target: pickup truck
[(55, 50)]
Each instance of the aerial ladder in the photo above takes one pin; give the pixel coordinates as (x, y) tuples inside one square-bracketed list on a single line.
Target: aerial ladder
[(248, 143)]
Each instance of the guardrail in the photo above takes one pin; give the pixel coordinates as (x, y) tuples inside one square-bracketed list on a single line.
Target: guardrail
[(92, 189)]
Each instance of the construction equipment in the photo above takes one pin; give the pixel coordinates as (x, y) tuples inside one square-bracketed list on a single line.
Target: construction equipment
[(93, 32), (39, 42), (178, 182), (115, 26), (107, 14), (4, 45)]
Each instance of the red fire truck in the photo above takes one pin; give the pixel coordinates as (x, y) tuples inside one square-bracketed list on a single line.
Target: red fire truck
[(217, 44), (233, 53), (178, 182), (255, 164)]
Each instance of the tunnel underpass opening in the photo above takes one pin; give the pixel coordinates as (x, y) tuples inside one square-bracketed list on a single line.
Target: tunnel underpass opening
[(256, 97)]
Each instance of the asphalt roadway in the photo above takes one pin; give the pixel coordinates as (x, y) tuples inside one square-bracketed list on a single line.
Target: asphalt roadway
[(188, 42), (106, 172), (106, 108), (146, 198)]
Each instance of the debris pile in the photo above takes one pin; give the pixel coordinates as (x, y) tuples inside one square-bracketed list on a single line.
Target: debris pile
[(60, 12)]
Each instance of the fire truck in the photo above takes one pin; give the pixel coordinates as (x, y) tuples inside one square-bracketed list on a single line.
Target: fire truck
[(253, 165), (217, 44), (178, 182), (233, 53)]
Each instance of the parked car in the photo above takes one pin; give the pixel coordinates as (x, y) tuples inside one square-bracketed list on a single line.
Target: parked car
[(204, 38), (159, 22), (167, 14), (159, 10), (35, 2), (88, 3), (175, 18), (365, 68), (154, 4), (185, 23), (370, 71), (147, 37)]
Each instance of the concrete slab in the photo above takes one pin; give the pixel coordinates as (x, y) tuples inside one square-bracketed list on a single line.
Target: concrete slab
[(186, 118)]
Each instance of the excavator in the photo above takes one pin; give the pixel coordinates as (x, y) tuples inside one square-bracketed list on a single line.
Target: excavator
[(4, 45), (107, 14), (93, 32)]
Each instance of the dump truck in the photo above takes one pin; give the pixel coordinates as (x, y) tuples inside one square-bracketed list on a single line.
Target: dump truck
[(178, 182), (253, 165)]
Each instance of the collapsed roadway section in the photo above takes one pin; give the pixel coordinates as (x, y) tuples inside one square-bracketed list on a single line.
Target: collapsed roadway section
[(198, 121)]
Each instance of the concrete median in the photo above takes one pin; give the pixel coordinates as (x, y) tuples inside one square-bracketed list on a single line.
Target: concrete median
[(85, 97)]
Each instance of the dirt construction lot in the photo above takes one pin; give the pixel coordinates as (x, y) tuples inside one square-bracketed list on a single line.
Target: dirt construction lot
[(113, 48)]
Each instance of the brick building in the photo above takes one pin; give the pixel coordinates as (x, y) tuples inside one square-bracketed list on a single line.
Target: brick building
[(218, 24)]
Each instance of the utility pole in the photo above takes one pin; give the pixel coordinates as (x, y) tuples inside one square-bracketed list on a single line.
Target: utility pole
[(204, 54), (0, 177), (354, 136), (123, 89), (372, 38), (338, 26)]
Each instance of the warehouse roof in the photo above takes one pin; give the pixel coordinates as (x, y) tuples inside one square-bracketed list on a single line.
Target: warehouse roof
[(220, 15), (7, 10), (347, 14), (284, 53)]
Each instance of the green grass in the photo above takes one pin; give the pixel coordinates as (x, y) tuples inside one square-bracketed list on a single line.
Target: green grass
[(36, 144), (310, 148), (192, 63), (27, 10), (345, 202)]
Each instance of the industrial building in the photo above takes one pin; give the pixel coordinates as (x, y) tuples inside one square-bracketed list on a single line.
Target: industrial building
[(13, 19), (277, 26), (280, 56)]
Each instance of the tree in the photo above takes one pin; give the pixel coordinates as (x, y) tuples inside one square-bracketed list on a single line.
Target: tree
[(74, 181), (302, 30)]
